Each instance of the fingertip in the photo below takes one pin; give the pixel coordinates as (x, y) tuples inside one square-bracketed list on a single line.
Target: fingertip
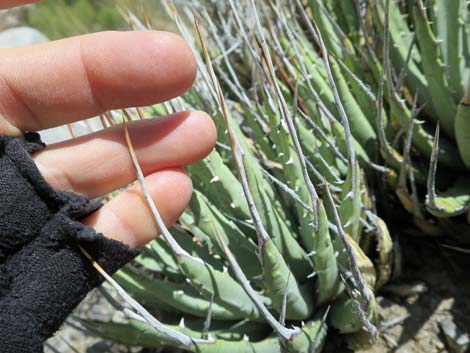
[(175, 187), (205, 131), (145, 67), (184, 67), (127, 217)]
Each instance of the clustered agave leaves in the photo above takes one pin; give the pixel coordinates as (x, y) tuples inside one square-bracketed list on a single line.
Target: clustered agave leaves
[(313, 100)]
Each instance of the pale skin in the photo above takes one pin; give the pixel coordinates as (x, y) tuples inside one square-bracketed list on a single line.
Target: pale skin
[(77, 78)]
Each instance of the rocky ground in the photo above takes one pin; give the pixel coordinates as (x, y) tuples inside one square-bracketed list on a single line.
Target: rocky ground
[(427, 309)]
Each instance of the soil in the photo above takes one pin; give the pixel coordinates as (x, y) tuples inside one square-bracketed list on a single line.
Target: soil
[(433, 289)]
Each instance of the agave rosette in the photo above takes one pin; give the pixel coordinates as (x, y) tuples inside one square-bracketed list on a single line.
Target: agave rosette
[(273, 248)]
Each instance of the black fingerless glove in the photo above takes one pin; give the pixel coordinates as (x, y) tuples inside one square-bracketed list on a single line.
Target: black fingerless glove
[(43, 274)]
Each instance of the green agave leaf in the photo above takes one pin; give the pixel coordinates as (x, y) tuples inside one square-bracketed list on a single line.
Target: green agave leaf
[(340, 136), (272, 212), (433, 68), (278, 230), (292, 171), (448, 25), (317, 75), (219, 286), (337, 43), (351, 202), (212, 222), (348, 11), (269, 345), (462, 129), (166, 295), (136, 333), (453, 202), (319, 154), (311, 339), (188, 223), (423, 139), (401, 41), (344, 314), (220, 185), (361, 129), (281, 285), (364, 97), (158, 256), (293, 174), (150, 263), (328, 284)]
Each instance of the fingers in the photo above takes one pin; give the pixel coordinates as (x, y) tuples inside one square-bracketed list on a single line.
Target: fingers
[(99, 163), (51, 84), (5, 4), (127, 217)]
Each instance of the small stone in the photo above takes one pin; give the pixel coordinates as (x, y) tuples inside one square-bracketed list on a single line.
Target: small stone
[(457, 341), (20, 36)]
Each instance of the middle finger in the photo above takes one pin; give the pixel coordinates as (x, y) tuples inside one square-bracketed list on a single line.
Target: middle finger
[(99, 163)]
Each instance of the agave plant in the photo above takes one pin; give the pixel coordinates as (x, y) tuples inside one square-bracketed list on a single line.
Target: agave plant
[(273, 248), (405, 64)]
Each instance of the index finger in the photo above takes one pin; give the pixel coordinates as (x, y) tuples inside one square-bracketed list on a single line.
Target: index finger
[(5, 4), (72, 79)]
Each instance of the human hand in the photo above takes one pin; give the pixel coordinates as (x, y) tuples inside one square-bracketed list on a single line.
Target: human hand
[(76, 78)]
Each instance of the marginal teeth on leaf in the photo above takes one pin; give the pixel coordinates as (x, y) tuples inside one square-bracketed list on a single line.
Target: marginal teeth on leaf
[(179, 292), (224, 269), (313, 274), (214, 179), (246, 338), (181, 324), (290, 161), (312, 253), (232, 205), (336, 254), (347, 224)]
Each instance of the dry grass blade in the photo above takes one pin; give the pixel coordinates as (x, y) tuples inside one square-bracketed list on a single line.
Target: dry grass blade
[(177, 249), (285, 113), (431, 182), (178, 337), (384, 144), (238, 155), (359, 280), (283, 332)]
